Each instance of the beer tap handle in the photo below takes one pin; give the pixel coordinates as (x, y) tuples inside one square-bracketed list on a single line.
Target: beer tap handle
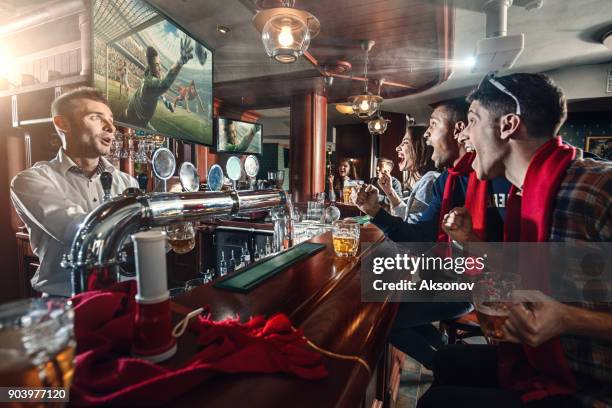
[(107, 181)]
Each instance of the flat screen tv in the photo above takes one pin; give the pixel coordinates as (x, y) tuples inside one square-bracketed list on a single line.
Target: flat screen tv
[(238, 137), (155, 76)]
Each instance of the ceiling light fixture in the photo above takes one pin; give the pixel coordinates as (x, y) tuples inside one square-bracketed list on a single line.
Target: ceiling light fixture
[(286, 31), (345, 109), (378, 125), (366, 104)]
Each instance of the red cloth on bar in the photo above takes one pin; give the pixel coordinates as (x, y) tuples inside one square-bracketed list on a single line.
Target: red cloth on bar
[(537, 372), (106, 374), (475, 197)]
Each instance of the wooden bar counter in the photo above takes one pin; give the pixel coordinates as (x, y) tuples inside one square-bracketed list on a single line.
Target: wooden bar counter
[(322, 296)]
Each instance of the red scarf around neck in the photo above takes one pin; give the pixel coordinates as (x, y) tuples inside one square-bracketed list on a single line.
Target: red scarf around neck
[(475, 196), (537, 372)]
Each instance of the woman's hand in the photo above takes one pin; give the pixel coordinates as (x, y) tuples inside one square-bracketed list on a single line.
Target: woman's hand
[(330, 180)]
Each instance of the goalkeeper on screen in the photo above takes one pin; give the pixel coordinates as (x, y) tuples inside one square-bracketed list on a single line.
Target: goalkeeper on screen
[(143, 102)]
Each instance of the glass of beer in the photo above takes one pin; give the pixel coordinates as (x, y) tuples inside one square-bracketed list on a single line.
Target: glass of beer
[(345, 237), (346, 192), (181, 237), (492, 295), (36, 343)]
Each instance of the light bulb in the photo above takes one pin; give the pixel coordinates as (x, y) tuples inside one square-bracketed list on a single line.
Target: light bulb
[(377, 125), (285, 38), (364, 106)]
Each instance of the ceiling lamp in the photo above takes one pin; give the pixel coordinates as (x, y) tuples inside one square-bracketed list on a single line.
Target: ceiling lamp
[(345, 108), (367, 104), (378, 125), (285, 31)]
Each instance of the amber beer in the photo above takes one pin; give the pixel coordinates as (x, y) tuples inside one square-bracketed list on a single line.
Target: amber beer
[(345, 237), (37, 346), (346, 194), (17, 370), (181, 237), (345, 245), (492, 316), (182, 246)]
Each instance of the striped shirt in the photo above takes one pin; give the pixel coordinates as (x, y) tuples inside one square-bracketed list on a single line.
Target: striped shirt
[(583, 213)]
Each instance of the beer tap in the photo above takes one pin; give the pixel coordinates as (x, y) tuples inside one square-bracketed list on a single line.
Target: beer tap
[(107, 181)]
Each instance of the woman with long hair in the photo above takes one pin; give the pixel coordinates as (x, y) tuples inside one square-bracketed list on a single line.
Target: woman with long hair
[(335, 183), (419, 175)]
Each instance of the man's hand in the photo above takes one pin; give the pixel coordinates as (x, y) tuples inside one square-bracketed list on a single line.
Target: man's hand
[(535, 322), (385, 184), (186, 51), (366, 199), (458, 225)]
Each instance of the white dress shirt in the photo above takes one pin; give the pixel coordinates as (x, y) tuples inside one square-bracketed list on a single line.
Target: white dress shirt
[(52, 198)]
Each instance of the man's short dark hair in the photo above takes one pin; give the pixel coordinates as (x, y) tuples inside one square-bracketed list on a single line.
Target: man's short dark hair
[(63, 105), (384, 160), (457, 109), (151, 54), (543, 103)]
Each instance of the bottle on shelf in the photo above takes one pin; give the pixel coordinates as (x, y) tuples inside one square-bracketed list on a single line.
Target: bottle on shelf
[(231, 266), (246, 254), (255, 254), (222, 265), (268, 247), (243, 261)]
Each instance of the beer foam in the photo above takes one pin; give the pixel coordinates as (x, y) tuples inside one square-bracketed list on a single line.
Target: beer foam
[(491, 311)]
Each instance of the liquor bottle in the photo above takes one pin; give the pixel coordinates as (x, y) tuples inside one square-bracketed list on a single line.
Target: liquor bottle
[(231, 266), (246, 254), (255, 254), (222, 265), (268, 247)]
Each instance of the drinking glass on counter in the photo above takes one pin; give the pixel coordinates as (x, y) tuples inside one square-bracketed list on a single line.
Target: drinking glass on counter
[(492, 295), (181, 237), (280, 179), (194, 283), (345, 237), (314, 211), (174, 292), (348, 189), (37, 343)]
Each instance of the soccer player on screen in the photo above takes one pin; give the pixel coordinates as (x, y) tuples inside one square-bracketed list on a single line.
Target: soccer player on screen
[(143, 102)]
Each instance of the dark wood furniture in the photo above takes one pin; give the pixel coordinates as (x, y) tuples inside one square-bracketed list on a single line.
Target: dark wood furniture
[(322, 296)]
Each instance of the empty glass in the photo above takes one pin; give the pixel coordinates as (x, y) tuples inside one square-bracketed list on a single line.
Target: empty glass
[(345, 237), (208, 275), (194, 283), (280, 179), (174, 292), (314, 211), (141, 154)]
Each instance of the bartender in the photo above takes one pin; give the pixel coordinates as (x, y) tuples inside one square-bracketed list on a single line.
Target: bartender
[(53, 197)]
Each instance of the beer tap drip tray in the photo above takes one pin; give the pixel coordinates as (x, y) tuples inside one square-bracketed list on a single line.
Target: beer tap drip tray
[(247, 279)]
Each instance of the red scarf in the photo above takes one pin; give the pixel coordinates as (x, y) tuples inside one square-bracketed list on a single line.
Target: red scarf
[(105, 374), (537, 372), (475, 196)]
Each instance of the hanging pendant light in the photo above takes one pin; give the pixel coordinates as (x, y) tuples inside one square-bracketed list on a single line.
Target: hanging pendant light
[(285, 31), (365, 105), (378, 125)]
